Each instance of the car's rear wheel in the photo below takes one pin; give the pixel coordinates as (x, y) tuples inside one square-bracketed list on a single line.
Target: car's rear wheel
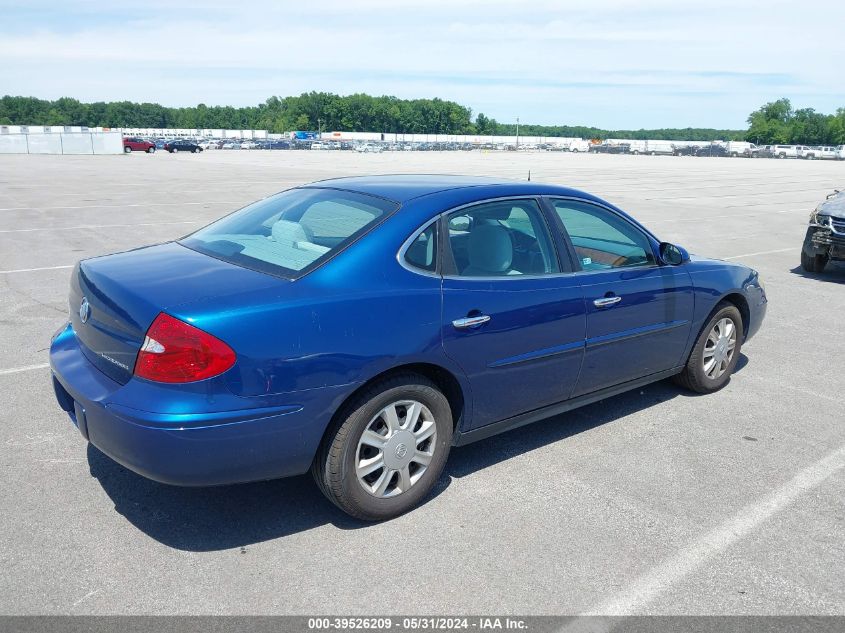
[(195, 150), (387, 448), (813, 263), (174, 150), (715, 353), (127, 150)]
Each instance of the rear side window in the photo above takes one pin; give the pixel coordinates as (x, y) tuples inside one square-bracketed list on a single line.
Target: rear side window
[(422, 252), (501, 239), (291, 232)]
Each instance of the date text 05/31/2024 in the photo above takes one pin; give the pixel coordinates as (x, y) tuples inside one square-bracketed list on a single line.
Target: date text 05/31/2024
[(416, 623)]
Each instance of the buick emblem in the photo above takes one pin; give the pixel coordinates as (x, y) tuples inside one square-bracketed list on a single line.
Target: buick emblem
[(84, 310)]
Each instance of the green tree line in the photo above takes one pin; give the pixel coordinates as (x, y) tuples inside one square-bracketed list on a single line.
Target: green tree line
[(778, 123), (775, 122)]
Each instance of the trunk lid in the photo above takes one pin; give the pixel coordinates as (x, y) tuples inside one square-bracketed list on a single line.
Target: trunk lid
[(114, 299)]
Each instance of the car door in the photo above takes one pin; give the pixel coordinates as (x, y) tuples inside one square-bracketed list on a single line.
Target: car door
[(513, 314), (639, 312)]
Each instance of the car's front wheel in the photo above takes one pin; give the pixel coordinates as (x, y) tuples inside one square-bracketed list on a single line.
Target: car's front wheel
[(151, 150), (813, 263), (387, 449), (127, 150), (715, 353)]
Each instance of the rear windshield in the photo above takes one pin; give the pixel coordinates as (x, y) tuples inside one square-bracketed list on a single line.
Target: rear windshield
[(292, 232)]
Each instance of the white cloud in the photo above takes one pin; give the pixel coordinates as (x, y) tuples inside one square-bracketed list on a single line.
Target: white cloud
[(606, 62)]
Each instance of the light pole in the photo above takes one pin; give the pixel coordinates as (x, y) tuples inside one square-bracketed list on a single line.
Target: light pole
[(517, 134), (319, 129)]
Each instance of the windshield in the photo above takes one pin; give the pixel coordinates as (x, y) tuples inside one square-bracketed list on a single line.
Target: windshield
[(292, 232)]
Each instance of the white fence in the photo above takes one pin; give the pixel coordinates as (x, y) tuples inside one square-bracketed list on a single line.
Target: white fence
[(64, 143)]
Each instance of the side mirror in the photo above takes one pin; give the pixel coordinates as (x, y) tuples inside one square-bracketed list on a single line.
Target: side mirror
[(673, 255)]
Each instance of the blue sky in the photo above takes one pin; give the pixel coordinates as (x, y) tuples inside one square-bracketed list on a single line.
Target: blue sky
[(610, 63)]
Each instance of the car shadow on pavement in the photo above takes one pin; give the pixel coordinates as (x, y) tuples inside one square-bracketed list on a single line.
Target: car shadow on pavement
[(216, 518), (834, 273), (489, 452), (227, 517)]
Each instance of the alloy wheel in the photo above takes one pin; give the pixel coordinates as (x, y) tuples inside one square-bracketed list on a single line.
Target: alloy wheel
[(395, 448), (719, 348)]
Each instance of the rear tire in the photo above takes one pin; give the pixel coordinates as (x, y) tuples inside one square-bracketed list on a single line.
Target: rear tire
[(715, 353), (346, 467), (174, 151), (813, 263), (127, 150)]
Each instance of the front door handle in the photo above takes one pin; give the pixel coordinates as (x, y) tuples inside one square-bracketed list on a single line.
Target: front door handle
[(473, 321), (606, 302)]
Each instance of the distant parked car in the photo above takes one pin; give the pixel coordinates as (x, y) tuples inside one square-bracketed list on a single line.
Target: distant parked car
[(230, 145), (741, 149), (826, 152), (209, 144), (712, 150), (840, 152), (579, 145), (277, 144), (686, 150), (785, 151), (368, 148), (249, 145), (182, 146), (764, 151), (807, 153), (605, 148), (135, 144), (825, 237)]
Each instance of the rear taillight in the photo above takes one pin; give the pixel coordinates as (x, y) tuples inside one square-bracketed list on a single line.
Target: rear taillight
[(175, 351)]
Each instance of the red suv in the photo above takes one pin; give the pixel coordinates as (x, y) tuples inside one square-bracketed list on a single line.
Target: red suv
[(134, 144)]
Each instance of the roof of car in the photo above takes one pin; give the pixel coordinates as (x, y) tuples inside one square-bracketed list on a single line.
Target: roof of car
[(404, 187)]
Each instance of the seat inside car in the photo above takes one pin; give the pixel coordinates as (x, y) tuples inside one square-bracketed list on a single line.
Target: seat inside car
[(490, 251)]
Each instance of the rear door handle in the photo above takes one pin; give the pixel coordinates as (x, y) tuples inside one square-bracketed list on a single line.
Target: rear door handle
[(473, 321), (606, 302)]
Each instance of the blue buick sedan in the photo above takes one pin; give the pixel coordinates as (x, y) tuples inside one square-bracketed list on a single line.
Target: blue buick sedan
[(361, 327)]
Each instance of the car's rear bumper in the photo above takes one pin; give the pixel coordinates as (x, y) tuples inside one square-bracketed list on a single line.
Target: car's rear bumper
[(189, 443)]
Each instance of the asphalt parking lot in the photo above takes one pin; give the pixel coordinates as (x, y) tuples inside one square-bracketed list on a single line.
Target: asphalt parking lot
[(657, 501)]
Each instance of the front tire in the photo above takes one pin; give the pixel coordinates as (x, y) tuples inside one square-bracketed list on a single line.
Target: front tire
[(387, 448), (813, 263), (127, 150), (715, 353), (151, 150), (174, 151)]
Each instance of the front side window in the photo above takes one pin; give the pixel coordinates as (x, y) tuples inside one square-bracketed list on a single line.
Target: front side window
[(291, 231), (603, 239), (501, 238)]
